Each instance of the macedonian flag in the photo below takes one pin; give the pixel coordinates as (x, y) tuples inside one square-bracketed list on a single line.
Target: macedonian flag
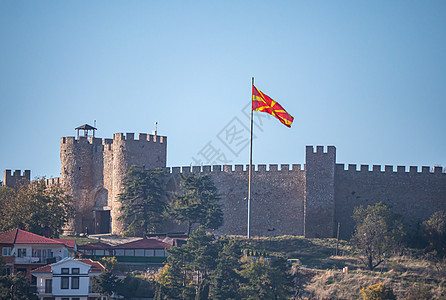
[(262, 102)]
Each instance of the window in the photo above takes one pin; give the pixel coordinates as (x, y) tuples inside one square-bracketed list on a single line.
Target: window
[(21, 252), (159, 252), (6, 251), (129, 252), (75, 283), (65, 298), (48, 286), (139, 252), (75, 271), (149, 252), (22, 270), (75, 298), (119, 252), (99, 252), (65, 271), (64, 283)]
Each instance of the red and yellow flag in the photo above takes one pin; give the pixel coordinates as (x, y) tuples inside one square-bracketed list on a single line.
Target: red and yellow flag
[(262, 102)]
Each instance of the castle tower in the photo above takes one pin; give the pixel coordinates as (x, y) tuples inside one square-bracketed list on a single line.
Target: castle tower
[(76, 156), (93, 170), (319, 205)]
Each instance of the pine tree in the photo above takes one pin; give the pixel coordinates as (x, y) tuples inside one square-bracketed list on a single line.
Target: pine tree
[(225, 280), (142, 201), (198, 204)]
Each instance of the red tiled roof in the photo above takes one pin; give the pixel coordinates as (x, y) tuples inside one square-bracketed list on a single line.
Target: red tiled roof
[(95, 246), (44, 269), (8, 237), (18, 236), (67, 242), (95, 266), (143, 244)]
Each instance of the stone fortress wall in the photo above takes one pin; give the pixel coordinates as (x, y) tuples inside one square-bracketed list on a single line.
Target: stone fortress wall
[(305, 199)]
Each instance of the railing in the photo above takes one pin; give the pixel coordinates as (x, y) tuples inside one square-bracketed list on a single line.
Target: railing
[(36, 260), (44, 291)]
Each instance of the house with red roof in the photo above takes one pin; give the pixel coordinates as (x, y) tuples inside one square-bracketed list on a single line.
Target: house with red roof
[(68, 279), (23, 251)]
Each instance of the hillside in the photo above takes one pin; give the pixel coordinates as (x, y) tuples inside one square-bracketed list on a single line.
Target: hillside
[(320, 272)]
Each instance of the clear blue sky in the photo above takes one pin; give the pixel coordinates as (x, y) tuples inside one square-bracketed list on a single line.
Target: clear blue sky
[(366, 76)]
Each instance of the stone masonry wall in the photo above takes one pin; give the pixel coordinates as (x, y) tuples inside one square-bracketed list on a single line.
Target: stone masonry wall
[(277, 198), (414, 195), (296, 200)]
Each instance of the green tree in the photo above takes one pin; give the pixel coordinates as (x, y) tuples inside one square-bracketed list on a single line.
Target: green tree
[(225, 280), (435, 233), (133, 287), (106, 283), (266, 279), (197, 204), (142, 200), (377, 231), (15, 287), (186, 274), (175, 281), (35, 207)]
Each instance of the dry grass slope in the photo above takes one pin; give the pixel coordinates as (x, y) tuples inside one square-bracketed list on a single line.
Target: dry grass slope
[(320, 274)]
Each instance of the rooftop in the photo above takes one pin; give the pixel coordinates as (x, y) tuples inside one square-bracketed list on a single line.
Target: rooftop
[(95, 246), (143, 244), (95, 265), (19, 236)]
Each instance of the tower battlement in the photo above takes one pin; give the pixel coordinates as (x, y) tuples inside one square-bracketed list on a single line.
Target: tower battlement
[(12, 179), (142, 137)]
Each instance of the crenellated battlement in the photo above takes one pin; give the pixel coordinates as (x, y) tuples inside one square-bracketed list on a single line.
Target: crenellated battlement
[(272, 168), (12, 179), (142, 137), (52, 181), (353, 168), (320, 150)]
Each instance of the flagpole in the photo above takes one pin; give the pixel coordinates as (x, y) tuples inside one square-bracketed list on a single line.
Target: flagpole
[(250, 171)]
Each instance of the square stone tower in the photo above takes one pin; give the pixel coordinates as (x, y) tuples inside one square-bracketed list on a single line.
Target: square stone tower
[(319, 203)]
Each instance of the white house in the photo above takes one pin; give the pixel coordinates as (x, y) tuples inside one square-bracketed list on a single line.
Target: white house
[(23, 251), (68, 279)]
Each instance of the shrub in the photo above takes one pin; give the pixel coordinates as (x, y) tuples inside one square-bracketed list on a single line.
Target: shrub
[(378, 292)]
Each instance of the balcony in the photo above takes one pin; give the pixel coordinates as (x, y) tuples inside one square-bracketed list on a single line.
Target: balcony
[(44, 291), (36, 260)]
